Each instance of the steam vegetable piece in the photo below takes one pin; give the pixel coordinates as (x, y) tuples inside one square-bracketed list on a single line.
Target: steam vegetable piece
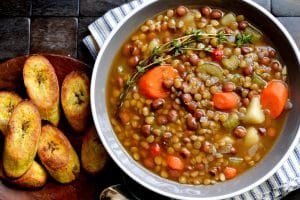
[(211, 69), (228, 19), (225, 100), (274, 97), (256, 34), (151, 83), (254, 113), (231, 63), (258, 80), (231, 122), (251, 137), (175, 162), (230, 172)]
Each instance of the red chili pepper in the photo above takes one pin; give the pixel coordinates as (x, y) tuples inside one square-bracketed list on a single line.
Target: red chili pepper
[(155, 149), (217, 54)]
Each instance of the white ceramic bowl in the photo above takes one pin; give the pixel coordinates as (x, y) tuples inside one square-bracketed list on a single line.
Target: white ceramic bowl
[(253, 177)]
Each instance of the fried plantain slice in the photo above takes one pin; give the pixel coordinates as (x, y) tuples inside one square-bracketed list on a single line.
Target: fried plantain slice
[(75, 99), (8, 101), (21, 139), (93, 154), (57, 155), (35, 177), (42, 87)]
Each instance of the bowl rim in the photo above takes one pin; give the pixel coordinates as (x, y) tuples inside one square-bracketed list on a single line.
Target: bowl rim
[(132, 175)]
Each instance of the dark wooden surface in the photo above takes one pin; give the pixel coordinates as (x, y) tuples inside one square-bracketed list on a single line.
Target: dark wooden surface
[(58, 26)]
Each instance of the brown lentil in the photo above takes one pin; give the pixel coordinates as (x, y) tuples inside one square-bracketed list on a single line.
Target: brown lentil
[(247, 70), (265, 61), (228, 87), (157, 103), (186, 98), (245, 101), (275, 66), (242, 25), (181, 11), (240, 132), (245, 50), (216, 14), (191, 122), (146, 130), (194, 59), (205, 11), (272, 53), (133, 61)]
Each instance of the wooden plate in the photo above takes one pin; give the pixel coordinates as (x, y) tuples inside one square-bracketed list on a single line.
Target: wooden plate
[(85, 187)]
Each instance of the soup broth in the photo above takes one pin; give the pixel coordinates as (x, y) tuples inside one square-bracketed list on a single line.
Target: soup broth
[(197, 95)]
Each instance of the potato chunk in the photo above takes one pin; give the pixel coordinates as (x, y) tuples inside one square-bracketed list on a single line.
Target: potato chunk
[(251, 137), (254, 113)]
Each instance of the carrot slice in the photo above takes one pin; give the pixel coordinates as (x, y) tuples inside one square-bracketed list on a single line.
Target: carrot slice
[(175, 162), (274, 97), (230, 172), (225, 100), (151, 83)]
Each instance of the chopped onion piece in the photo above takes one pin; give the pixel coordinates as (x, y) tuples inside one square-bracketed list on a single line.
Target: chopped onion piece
[(226, 148), (213, 150), (120, 69), (214, 80), (252, 150), (219, 155), (203, 119), (236, 159), (231, 38), (288, 105), (284, 71)]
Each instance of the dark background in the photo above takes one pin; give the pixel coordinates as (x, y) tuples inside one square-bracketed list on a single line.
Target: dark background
[(58, 26)]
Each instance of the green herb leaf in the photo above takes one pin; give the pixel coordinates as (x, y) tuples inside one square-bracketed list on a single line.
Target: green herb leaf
[(178, 52), (198, 34), (155, 51), (176, 43), (140, 68), (208, 49), (175, 47), (243, 38), (221, 37), (129, 82)]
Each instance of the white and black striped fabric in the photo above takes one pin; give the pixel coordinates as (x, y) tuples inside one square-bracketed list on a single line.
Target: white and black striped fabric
[(285, 180)]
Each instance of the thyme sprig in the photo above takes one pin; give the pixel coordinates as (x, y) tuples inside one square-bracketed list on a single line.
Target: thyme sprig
[(174, 48), (243, 38)]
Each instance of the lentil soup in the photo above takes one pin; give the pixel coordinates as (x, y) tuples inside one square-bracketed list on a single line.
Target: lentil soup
[(197, 95)]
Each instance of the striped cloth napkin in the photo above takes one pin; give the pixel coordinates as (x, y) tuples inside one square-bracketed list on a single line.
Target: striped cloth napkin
[(285, 180)]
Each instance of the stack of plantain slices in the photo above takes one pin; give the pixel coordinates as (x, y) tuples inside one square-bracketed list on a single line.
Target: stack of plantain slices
[(34, 146)]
